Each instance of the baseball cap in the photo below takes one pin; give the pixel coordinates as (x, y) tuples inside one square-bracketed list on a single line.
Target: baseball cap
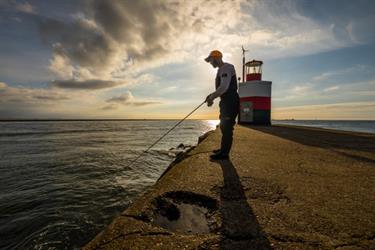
[(214, 53)]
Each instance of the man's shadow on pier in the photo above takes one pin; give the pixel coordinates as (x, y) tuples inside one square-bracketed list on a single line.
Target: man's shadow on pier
[(240, 226)]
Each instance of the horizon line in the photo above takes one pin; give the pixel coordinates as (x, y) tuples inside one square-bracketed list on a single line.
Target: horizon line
[(152, 119)]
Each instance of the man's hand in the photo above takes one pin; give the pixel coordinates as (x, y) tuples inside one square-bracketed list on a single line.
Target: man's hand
[(209, 100)]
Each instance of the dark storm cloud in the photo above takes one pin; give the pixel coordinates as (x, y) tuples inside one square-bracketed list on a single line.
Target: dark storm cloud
[(88, 84), (108, 33), (135, 22), (81, 43)]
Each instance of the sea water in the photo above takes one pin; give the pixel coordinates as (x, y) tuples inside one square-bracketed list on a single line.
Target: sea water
[(62, 182)]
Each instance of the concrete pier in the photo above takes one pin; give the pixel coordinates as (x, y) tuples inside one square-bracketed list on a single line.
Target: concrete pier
[(285, 187)]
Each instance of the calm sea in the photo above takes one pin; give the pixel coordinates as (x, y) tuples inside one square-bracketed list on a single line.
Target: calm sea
[(61, 182)]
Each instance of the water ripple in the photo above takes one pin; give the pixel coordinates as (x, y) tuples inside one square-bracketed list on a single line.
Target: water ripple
[(62, 182)]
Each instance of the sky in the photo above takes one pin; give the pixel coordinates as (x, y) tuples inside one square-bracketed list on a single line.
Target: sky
[(100, 59)]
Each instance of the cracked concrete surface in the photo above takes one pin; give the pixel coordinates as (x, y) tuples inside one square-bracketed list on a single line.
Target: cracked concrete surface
[(285, 187)]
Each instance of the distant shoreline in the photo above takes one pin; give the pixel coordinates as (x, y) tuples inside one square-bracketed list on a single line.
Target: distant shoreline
[(322, 129)]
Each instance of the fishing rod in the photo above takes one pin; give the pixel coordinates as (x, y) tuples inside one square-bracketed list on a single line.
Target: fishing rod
[(165, 134)]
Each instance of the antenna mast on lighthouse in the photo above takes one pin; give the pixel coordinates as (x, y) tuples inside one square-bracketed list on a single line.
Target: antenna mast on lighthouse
[(243, 63)]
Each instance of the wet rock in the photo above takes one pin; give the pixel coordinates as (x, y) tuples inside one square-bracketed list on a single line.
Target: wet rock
[(184, 212), (181, 147), (167, 209)]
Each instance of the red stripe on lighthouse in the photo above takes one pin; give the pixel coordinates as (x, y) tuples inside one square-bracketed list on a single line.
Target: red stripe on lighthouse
[(258, 102)]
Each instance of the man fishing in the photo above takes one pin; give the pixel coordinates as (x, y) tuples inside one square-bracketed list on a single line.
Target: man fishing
[(226, 89)]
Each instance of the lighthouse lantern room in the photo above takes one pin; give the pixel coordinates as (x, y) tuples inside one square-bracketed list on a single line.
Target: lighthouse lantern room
[(255, 95), (254, 70)]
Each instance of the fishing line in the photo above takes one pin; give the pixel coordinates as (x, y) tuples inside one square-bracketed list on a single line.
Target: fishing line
[(165, 134)]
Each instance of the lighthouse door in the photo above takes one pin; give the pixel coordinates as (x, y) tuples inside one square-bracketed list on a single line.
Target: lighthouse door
[(246, 112)]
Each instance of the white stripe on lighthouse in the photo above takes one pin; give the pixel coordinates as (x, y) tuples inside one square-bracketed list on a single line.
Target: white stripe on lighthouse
[(255, 88)]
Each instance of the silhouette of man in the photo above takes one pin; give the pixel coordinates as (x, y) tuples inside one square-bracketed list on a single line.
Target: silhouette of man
[(226, 89)]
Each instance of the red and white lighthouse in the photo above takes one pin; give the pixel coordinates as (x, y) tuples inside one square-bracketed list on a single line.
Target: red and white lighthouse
[(255, 95)]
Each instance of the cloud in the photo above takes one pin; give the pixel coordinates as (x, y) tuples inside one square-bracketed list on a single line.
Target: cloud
[(356, 69), (144, 103), (79, 46), (127, 99), (301, 89), (108, 44), (86, 84), (284, 30), (317, 93), (169, 89), (60, 65), (110, 107), (124, 98), (25, 7), (141, 26), (21, 102), (29, 95), (110, 39), (333, 88)]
